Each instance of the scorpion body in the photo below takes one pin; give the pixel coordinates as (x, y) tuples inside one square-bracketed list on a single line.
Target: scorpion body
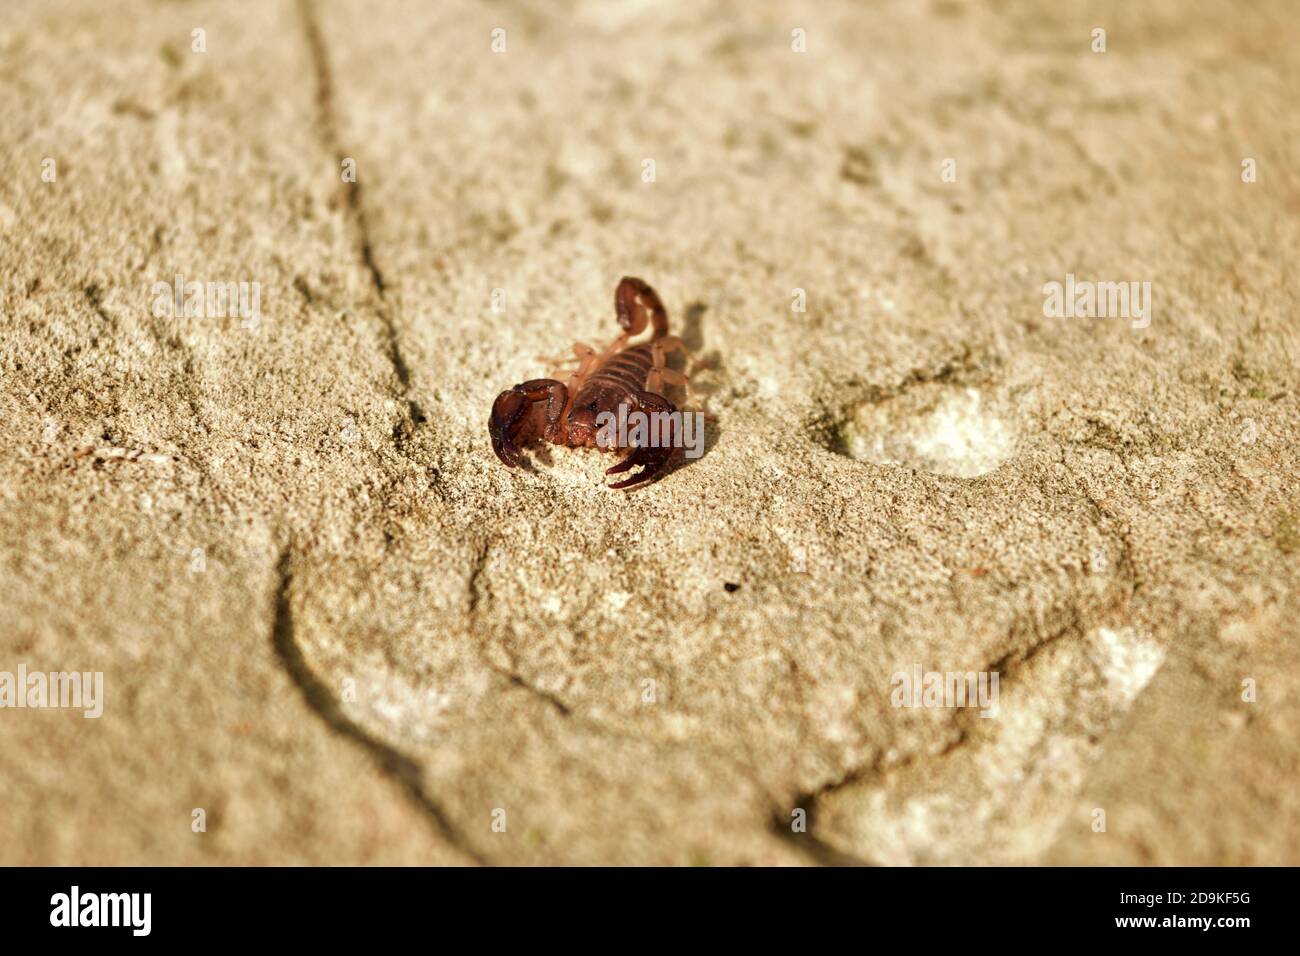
[(630, 376)]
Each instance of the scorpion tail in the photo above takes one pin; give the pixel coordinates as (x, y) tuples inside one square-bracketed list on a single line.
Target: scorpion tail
[(636, 305)]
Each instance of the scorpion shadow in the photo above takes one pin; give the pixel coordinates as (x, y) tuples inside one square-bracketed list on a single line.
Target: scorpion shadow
[(697, 361)]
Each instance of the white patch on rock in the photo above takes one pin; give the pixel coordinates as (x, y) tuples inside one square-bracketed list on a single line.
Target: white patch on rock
[(945, 431), (1126, 661), (171, 155), (403, 708)]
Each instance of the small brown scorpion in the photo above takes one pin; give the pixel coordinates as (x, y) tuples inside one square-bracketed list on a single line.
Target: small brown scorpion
[(620, 374)]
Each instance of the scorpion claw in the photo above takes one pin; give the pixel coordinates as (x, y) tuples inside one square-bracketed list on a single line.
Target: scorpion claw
[(507, 413), (505, 451), (652, 461), (510, 414)]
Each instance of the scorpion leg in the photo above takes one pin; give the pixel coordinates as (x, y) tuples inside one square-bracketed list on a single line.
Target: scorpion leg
[(657, 377), (579, 352), (653, 456), (588, 359), (510, 413), (670, 344), (659, 372)]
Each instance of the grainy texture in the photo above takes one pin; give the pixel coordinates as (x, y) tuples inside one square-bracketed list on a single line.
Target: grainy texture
[(331, 618)]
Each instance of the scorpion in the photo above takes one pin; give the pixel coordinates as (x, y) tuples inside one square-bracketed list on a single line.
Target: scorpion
[(620, 374)]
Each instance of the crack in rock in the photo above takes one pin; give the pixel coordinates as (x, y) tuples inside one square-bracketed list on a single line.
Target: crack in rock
[(1012, 665), (356, 215), (1000, 791), (401, 769)]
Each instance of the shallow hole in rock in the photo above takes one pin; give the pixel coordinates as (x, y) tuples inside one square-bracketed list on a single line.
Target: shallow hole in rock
[(942, 429)]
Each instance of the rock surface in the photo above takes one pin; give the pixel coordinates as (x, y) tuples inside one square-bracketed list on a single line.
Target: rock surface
[(328, 617)]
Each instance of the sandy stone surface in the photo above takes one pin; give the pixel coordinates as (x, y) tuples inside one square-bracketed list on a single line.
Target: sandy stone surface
[(328, 617)]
